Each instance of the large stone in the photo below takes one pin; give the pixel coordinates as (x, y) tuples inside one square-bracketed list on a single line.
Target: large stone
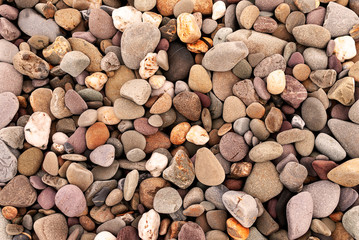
[(346, 174), (51, 227), (347, 134), (137, 40), (224, 56), (7, 51), (29, 64), (312, 35), (9, 104), (208, 169), (339, 19), (18, 193), (10, 79), (32, 23), (258, 42), (8, 163), (351, 222), (37, 129)]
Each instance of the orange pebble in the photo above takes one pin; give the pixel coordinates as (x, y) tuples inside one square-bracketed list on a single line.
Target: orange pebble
[(9, 212), (236, 230), (336, 217), (179, 132)]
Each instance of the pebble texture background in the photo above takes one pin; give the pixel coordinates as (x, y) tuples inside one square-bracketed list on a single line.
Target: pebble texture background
[(179, 119)]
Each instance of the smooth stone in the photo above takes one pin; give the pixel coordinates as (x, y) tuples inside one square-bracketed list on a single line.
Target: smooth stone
[(105, 30), (315, 58), (346, 174), (103, 155), (245, 91), (70, 200), (13, 136), (233, 147), (181, 171), (199, 80), (30, 161), (79, 175), (339, 19), (343, 91), (350, 221), (137, 90), (113, 226), (180, 62), (348, 197), (96, 187), (217, 58), (32, 23), (138, 40), (241, 125), (132, 139), (266, 151), (46, 198), (191, 230), (346, 134), (314, 114), (7, 51), (312, 35), (57, 104), (263, 182), (7, 71), (194, 196), (105, 173), (325, 196), (233, 109), (130, 184), (127, 110), (167, 200), (45, 230), (221, 35), (293, 176), (156, 164), (258, 42), (324, 78), (74, 63), (208, 169), (242, 206), (329, 147), (299, 213), (18, 193), (353, 113), (87, 118), (268, 65), (9, 105), (188, 104)]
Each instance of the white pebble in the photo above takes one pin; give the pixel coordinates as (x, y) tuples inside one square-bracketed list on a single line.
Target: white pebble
[(96, 81), (104, 235), (148, 225), (276, 82), (152, 18), (197, 135), (148, 66), (37, 129), (156, 164), (124, 16), (157, 81), (59, 138), (344, 48), (218, 10)]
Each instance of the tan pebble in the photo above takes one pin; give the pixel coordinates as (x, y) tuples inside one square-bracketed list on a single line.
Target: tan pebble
[(68, 18), (233, 108), (107, 116), (248, 16), (96, 81), (197, 135), (179, 132), (301, 71), (282, 11), (50, 164), (291, 136), (114, 197), (255, 110), (274, 120), (218, 10), (153, 18), (224, 129), (187, 28), (343, 91), (162, 104), (57, 50), (276, 82), (157, 81), (199, 79)]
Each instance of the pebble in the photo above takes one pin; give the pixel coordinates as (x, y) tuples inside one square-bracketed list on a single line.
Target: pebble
[(181, 171), (130, 184), (263, 182), (207, 168), (345, 173), (105, 235), (143, 37), (299, 213), (266, 151), (199, 80), (68, 18), (14, 86), (148, 225), (8, 164), (7, 50), (315, 58), (312, 35), (236, 230), (242, 206), (348, 196), (156, 164), (137, 90), (104, 30), (313, 113), (97, 135), (350, 220), (233, 147), (293, 175), (9, 106), (329, 147), (188, 104), (80, 176), (74, 63), (344, 48), (245, 91), (167, 200), (103, 155), (197, 135), (187, 28), (219, 59), (18, 192), (325, 196), (44, 227), (191, 230), (127, 110), (29, 64), (233, 109), (336, 11), (37, 129), (46, 198), (124, 16), (276, 82), (248, 16), (32, 23), (343, 91), (70, 200)]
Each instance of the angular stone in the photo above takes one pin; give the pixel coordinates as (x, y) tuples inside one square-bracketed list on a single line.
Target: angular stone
[(18, 193)]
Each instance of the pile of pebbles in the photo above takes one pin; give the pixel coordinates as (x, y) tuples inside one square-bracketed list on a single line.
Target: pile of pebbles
[(179, 119)]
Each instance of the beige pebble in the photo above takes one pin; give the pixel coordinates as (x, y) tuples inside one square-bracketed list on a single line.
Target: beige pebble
[(233, 108), (187, 28), (157, 81), (218, 10), (344, 48), (153, 18), (276, 82), (248, 16), (197, 135), (96, 81), (148, 66), (107, 116)]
